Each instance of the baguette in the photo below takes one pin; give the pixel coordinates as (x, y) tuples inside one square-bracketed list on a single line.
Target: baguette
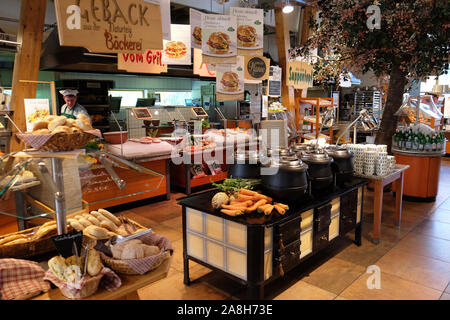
[(17, 241), (110, 216), (96, 232), (85, 222), (93, 220), (12, 238), (42, 124), (75, 224), (58, 266), (107, 224), (94, 263), (44, 231)]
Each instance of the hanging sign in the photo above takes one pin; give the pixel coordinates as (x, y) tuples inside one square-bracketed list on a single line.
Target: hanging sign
[(165, 16), (195, 19), (201, 68), (299, 75), (219, 39), (256, 68), (178, 49), (230, 81), (250, 30), (148, 62), (109, 26)]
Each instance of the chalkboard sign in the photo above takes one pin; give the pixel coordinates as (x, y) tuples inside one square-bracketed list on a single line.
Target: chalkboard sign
[(274, 88), (199, 112), (142, 113)]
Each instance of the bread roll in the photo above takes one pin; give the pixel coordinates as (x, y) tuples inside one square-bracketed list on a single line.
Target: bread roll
[(12, 238), (58, 121), (84, 125), (110, 216), (94, 263), (58, 266), (85, 222), (64, 129), (97, 232), (42, 124), (132, 251), (76, 129), (82, 116), (93, 220), (50, 118), (117, 249), (44, 231), (75, 224), (73, 260), (70, 122), (108, 225), (42, 131), (150, 250)]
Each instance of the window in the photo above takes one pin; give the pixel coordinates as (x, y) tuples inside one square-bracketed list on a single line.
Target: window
[(129, 97), (173, 98)]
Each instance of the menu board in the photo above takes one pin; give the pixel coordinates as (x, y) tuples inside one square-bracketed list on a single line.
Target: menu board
[(275, 81), (142, 113), (250, 30), (219, 42), (178, 50), (195, 20), (230, 81)]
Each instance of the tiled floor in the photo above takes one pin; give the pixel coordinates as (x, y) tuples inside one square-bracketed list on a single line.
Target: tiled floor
[(413, 259)]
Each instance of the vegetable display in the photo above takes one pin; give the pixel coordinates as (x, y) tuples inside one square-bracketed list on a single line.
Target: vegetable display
[(232, 185)]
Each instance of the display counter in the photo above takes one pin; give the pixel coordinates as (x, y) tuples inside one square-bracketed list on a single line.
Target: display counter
[(254, 249), (421, 180)]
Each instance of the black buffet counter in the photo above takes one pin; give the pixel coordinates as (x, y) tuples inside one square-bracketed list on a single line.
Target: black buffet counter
[(255, 249)]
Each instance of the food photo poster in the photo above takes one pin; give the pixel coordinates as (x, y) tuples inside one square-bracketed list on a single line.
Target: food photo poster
[(195, 20), (178, 49), (230, 81), (219, 42), (249, 31)]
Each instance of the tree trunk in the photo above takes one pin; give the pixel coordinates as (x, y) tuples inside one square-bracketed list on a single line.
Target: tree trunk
[(394, 100)]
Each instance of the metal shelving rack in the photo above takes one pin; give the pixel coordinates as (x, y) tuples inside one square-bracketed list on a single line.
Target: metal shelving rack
[(369, 100)]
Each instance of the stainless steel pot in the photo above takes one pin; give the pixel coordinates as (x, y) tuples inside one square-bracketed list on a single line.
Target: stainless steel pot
[(320, 173), (246, 164), (343, 163)]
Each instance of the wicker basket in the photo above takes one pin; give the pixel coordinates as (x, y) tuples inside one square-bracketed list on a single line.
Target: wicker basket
[(57, 142), (89, 288), (120, 266)]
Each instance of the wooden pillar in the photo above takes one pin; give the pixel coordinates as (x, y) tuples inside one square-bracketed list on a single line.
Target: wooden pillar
[(26, 63), (306, 30), (283, 43)]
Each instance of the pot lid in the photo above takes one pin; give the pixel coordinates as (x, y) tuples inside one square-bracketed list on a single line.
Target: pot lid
[(247, 155), (279, 151), (289, 162), (303, 146), (317, 157), (339, 152)]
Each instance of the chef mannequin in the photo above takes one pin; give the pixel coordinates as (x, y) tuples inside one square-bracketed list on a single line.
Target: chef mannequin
[(71, 108)]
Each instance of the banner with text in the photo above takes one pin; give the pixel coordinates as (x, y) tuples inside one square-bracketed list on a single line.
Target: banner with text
[(165, 16), (148, 62), (256, 69), (195, 20), (109, 26), (299, 75)]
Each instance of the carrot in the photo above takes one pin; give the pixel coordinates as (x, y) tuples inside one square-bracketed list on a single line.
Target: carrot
[(263, 207), (268, 210), (248, 192), (242, 203), (243, 197), (279, 209), (231, 207), (256, 205), (231, 212), (284, 206), (261, 196)]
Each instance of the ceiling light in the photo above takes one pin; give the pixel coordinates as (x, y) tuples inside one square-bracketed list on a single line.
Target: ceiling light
[(288, 8)]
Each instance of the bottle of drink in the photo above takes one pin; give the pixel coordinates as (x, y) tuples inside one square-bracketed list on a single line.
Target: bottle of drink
[(422, 142), (428, 143), (433, 142)]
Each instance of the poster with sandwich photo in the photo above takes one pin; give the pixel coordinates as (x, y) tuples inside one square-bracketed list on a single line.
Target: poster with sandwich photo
[(195, 18), (250, 30), (230, 81), (219, 39), (178, 50)]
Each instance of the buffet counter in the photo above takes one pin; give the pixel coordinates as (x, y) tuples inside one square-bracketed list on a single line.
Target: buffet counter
[(255, 249)]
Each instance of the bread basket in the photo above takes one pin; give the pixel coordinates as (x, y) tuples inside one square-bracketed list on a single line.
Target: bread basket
[(59, 141), (122, 267), (89, 287)]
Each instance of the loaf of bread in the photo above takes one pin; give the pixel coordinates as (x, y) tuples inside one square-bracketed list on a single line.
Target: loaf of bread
[(97, 232), (108, 225), (42, 124), (58, 266), (17, 241), (150, 250), (75, 224), (42, 131), (70, 122), (84, 222), (58, 121), (132, 251), (110, 216), (50, 118), (63, 129), (84, 125), (94, 263), (93, 220), (73, 260), (45, 230), (12, 237), (117, 249)]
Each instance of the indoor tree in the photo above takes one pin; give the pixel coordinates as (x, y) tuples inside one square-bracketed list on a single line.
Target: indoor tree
[(411, 42)]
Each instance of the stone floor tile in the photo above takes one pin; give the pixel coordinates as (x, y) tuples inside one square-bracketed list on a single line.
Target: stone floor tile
[(434, 228), (305, 291), (423, 245)]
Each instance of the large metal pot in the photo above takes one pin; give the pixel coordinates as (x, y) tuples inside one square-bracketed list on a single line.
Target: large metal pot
[(320, 173), (300, 148), (342, 164), (246, 165), (289, 179)]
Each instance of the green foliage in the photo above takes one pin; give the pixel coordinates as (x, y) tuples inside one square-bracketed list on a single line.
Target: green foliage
[(232, 185)]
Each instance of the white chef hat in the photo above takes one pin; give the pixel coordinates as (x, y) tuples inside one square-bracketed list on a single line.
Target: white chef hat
[(69, 92)]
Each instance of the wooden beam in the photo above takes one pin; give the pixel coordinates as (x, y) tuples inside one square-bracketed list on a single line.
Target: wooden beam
[(283, 43), (26, 63), (308, 12)]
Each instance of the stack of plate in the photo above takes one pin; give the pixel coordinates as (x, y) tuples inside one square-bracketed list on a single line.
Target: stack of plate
[(391, 163), (381, 165), (369, 162)]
